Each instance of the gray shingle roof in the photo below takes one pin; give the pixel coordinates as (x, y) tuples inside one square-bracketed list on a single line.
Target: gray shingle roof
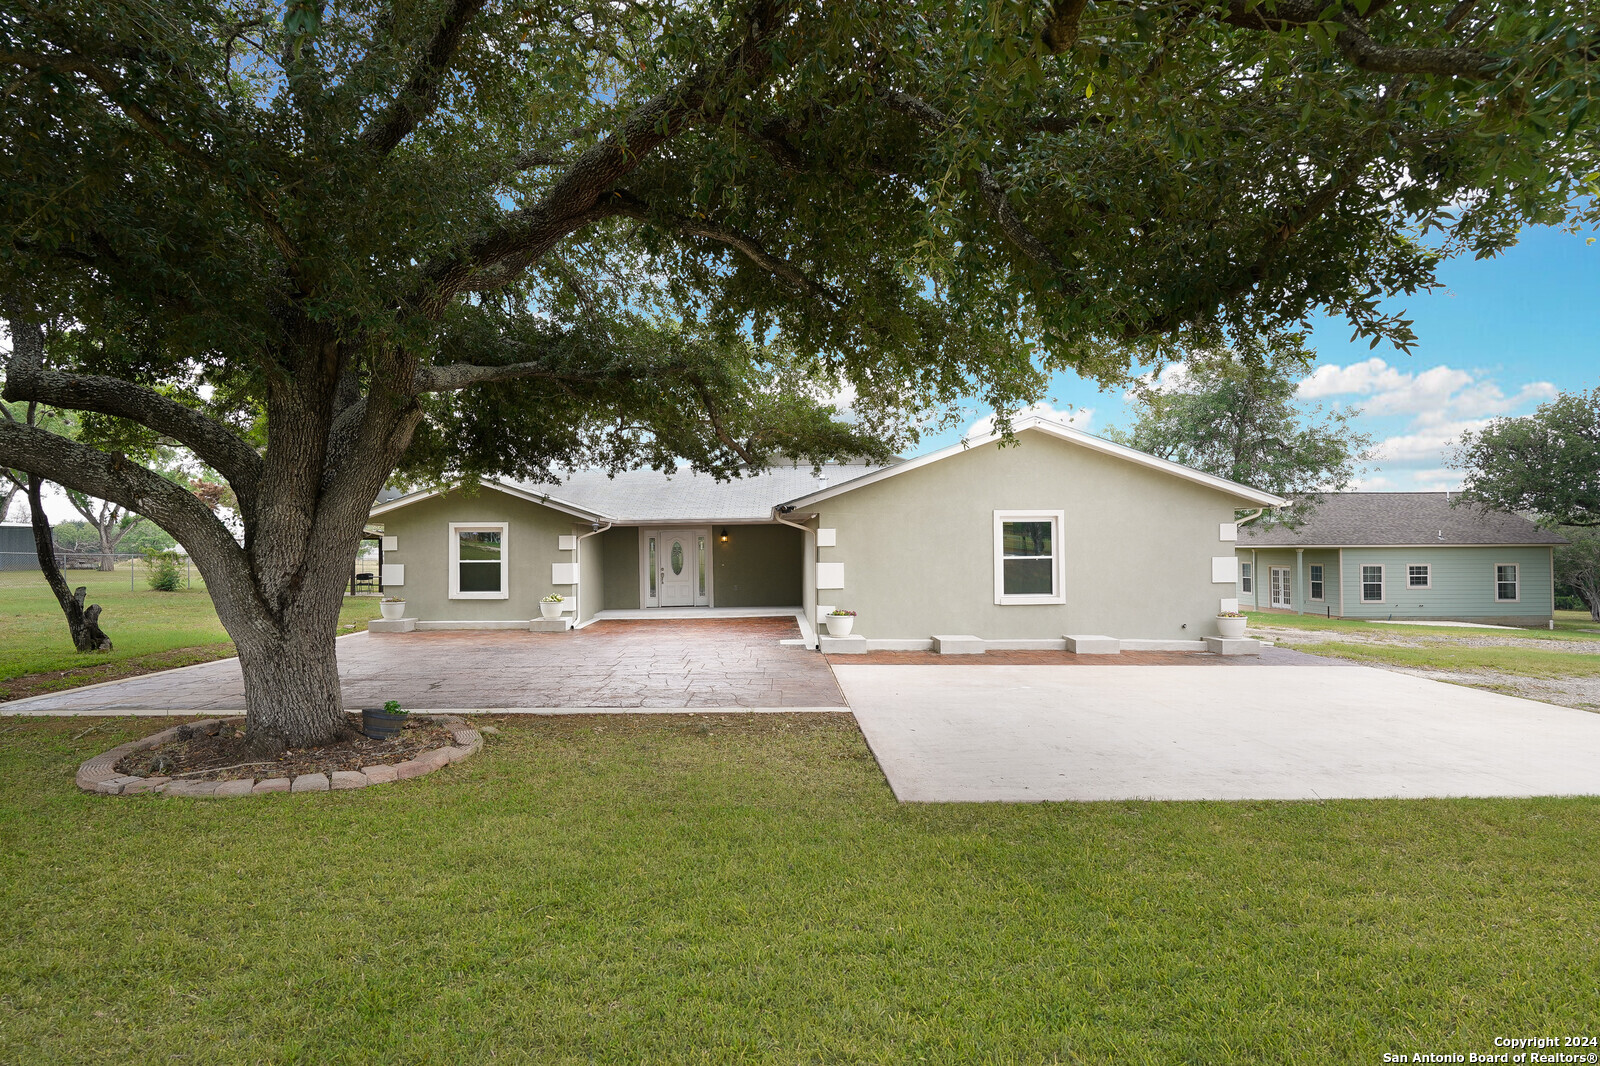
[(1376, 519), (651, 496)]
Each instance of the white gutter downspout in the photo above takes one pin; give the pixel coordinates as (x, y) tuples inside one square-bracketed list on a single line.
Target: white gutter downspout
[(807, 630), (577, 561)]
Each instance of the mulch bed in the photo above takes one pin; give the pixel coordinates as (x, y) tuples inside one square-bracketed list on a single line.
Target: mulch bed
[(220, 754)]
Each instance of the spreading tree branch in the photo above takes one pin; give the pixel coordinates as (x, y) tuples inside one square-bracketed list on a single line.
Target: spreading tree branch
[(420, 94)]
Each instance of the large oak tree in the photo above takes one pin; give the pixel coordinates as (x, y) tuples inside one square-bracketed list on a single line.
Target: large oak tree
[(473, 235)]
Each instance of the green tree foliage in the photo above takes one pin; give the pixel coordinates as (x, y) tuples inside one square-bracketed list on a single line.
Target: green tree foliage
[(313, 243), (1234, 413), (1578, 565), (1546, 463)]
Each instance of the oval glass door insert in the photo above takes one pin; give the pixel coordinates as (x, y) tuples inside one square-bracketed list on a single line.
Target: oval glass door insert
[(677, 557)]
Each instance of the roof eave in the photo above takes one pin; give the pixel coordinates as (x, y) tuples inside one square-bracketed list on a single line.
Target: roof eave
[(1055, 429), (543, 499)]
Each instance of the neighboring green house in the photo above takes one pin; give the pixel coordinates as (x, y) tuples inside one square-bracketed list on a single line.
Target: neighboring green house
[(1060, 534), (1402, 555)]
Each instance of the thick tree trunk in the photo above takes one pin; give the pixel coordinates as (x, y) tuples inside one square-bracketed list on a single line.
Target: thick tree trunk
[(83, 622), (291, 690)]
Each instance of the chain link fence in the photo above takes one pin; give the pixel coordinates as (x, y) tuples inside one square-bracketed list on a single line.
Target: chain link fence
[(135, 565)]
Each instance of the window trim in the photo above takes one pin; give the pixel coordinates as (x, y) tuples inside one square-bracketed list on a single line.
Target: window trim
[(1247, 578), (1057, 520), (1410, 586), (1496, 577), (1383, 581), (1312, 581), (502, 528)]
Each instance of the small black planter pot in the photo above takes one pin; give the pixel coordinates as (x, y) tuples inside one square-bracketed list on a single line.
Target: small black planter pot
[(379, 724)]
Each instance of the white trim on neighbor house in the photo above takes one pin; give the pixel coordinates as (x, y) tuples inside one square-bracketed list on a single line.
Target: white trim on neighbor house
[(1517, 581), (457, 528), (1247, 577), (1280, 584), (1427, 569), (1383, 582), (1054, 429), (1057, 592)]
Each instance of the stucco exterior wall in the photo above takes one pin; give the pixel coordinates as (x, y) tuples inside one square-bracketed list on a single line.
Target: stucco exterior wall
[(918, 548), (620, 546), (1463, 587), (591, 576), (758, 566), (422, 532)]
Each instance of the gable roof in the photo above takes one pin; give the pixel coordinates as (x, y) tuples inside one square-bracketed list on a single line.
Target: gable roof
[(650, 496), (1060, 432), (1382, 519)]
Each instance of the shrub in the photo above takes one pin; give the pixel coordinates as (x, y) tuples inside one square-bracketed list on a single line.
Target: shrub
[(166, 575)]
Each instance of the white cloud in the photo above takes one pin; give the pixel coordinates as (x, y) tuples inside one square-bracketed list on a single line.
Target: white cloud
[(1426, 444), (1434, 395), (1374, 483), (1438, 480), (1077, 418)]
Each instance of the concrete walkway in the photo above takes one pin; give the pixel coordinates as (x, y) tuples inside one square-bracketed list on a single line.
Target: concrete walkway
[(726, 663), (1019, 733)]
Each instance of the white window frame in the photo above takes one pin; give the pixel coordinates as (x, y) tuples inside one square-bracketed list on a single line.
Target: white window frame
[(1057, 520), (1312, 581), (1247, 578), (1383, 582), (1518, 582), (502, 528), (1428, 585)]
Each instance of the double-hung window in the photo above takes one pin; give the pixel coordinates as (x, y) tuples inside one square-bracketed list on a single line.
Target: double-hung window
[(1372, 584), (478, 561), (1419, 576), (1027, 557), (1506, 583), (1316, 581), (1246, 577)]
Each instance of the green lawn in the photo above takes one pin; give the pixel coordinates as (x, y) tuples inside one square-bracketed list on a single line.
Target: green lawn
[(1439, 655), (1570, 625), (714, 890), (149, 630)]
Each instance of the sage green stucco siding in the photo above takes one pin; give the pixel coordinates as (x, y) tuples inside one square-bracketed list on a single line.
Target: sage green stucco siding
[(1462, 583), (620, 546), (1137, 545), (591, 576), (758, 566), (422, 532)]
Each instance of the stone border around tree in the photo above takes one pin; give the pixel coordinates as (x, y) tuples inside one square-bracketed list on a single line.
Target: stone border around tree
[(99, 774)]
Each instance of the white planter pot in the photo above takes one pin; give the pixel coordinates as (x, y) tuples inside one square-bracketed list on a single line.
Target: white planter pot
[(1231, 628), (392, 611), (839, 625), (550, 610)]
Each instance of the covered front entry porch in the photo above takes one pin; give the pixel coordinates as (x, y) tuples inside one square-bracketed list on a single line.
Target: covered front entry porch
[(698, 566)]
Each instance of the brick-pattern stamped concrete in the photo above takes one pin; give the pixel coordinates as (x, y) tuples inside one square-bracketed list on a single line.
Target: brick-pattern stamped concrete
[(99, 774)]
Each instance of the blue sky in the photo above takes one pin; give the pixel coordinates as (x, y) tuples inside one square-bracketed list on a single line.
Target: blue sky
[(1502, 336)]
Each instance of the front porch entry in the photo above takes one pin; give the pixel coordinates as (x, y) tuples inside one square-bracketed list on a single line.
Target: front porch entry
[(675, 567)]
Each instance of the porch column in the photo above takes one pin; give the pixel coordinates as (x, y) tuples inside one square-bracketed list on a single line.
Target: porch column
[(1297, 601)]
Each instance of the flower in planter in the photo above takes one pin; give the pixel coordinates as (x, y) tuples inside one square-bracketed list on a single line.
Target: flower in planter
[(394, 599), (1229, 614), (553, 598), (842, 614), (393, 707)]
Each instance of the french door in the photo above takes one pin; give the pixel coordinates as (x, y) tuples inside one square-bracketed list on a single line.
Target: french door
[(1281, 591)]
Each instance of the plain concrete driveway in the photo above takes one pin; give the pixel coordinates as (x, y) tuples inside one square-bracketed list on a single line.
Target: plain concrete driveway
[(666, 665), (974, 733)]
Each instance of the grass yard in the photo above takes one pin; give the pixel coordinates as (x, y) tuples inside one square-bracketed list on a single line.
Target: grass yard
[(149, 630), (1520, 662), (1570, 626), (629, 889)]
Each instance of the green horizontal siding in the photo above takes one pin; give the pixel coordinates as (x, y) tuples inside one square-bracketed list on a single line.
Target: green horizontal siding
[(1462, 586), (1463, 583)]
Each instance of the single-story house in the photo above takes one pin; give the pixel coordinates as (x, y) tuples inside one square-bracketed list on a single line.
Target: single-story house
[(1057, 535), (1402, 555)]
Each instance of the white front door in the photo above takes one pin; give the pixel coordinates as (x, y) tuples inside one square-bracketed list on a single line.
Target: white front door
[(677, 563), (1280, 588)]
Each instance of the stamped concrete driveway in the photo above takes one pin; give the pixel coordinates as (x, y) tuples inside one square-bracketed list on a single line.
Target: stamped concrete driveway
[(734, 662), (1212, 732)]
